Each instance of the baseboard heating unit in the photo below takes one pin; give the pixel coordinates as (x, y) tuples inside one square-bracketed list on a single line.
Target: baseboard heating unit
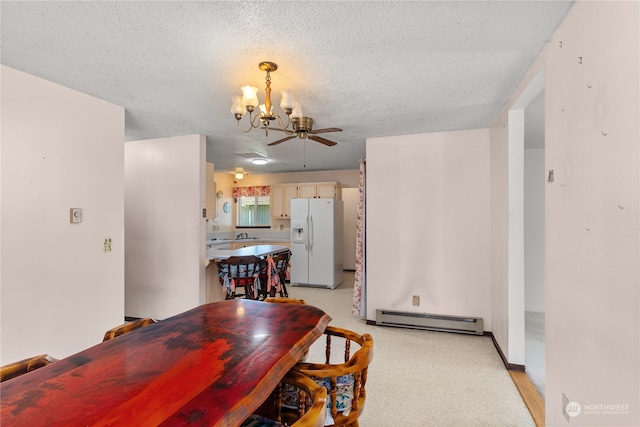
[(433, 322)]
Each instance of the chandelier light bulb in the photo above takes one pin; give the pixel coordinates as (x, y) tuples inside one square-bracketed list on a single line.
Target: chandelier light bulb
[(287, 100), (297, 112), (263, 110), (236, 106), (249, 96)]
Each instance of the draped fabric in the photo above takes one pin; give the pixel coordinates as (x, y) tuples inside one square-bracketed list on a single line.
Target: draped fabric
[(258, 190), (360, 280)]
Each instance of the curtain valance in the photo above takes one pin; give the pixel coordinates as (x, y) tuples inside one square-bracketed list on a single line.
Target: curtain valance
[(255, 191)]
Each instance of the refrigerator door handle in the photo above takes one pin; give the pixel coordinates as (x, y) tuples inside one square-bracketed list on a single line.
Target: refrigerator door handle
[(311, 233), (306, 235)]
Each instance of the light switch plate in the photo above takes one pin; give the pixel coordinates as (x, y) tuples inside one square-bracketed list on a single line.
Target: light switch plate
[(75, 215)]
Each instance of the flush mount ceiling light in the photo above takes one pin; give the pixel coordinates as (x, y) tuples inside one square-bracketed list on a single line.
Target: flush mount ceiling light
[(259, 161)]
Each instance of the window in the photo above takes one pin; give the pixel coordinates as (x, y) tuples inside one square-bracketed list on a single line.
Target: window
[(254, 206), (254, 211)]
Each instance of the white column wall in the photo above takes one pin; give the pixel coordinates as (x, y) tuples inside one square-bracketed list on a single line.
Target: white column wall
[(428, 224), (165, 242), (592, 218), (592, 291), (61, 149)]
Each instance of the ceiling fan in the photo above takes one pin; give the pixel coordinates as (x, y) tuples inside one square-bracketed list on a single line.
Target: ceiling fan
[(303, 129)]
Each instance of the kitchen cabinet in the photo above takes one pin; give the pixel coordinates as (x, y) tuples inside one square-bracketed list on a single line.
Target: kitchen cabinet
[(314, 190), (281, 195)]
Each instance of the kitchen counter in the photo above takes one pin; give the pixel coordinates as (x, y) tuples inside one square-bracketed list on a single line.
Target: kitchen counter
[(255, 237), (218, 242), (257, 250)]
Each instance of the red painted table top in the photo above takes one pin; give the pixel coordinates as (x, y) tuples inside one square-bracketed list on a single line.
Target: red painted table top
[(210, 366)]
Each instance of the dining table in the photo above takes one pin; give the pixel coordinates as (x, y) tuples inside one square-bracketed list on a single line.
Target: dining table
[(210, 366)]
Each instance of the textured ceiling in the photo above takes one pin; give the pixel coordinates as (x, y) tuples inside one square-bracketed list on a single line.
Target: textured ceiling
[(371, 68)]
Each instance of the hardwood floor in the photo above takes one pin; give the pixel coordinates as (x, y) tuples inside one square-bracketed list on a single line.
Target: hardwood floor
[(530, 396)]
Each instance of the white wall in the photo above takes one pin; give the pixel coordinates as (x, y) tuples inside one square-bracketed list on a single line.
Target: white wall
[(61, 149), (428, 223), (165, 250), (592, 220)]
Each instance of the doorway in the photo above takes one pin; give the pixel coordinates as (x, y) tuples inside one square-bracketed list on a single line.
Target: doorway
[(526, 231)]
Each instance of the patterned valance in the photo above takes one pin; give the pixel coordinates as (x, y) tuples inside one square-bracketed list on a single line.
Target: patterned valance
[(258, 190)]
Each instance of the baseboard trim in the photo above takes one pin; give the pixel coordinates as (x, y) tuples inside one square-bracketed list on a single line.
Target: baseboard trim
[(509, 366)]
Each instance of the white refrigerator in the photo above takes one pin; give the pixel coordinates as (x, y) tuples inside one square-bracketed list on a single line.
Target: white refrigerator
[(316, 242)]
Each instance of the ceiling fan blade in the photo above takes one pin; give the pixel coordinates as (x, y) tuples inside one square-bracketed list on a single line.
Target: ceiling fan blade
[(325, 130), (282, 140), (322, 140)]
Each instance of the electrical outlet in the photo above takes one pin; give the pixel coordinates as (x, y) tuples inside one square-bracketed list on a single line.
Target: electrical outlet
[(416, 300), (75, 215), (106, 245)]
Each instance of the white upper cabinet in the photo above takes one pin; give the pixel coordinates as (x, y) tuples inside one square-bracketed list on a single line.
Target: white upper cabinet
[(281, 195), (314, 190)]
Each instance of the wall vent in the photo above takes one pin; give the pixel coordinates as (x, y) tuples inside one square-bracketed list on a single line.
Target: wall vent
[(433, 322)]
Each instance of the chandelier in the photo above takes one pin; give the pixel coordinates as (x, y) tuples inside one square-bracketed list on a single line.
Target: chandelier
[(248, 102)]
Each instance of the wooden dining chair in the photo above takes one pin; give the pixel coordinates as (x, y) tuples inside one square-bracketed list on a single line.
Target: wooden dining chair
[(16, 369), (298, 401), (345, 382), (127, 327), (241, 272), (277, 267)]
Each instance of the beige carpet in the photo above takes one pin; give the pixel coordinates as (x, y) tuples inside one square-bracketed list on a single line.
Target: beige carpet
[(423, 378)]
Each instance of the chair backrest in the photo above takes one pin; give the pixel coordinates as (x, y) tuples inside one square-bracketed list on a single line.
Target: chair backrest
[(312, 402), (242, 270), (345, 382), (298, 401), (127, 327), (241, 267), (275, 274), (281, 261), (15, 369)]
